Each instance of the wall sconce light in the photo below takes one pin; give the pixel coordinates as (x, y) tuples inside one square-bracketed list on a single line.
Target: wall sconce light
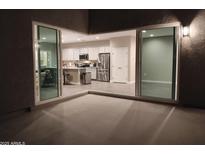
[(186, 31)]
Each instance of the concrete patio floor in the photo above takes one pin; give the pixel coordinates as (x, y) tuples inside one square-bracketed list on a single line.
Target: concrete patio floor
[(93, 119)]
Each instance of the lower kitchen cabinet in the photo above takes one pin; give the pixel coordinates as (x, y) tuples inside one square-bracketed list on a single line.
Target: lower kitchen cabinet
[(93, 72)]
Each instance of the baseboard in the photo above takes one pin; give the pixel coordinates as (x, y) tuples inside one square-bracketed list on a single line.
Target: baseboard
[(131, 82), (126, 82), (154, 81)]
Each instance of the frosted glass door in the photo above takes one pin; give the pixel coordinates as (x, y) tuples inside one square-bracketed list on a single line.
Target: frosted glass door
[(48, 47), (158, 56)]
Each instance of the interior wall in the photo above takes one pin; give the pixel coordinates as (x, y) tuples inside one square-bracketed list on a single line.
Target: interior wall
[(132, 61), (129, 42), (157, 59), (50, 48), (192, 55), (16, 77), (86, 44)]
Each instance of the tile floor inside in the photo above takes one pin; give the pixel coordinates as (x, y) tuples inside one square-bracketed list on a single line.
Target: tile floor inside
[(117, 88), (148, 89)]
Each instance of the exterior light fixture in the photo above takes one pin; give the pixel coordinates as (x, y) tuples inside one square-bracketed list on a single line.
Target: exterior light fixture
[(97, 37), (144, 31), (44, 38), (151, 35), (186, 31), (79, 39), (36, 45)]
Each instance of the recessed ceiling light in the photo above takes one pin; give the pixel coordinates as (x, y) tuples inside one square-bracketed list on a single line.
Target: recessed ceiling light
[(44, 38), (97, 37), (144, 31), (151, 35)]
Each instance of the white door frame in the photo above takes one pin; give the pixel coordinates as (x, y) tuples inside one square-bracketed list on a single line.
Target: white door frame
[(60, 71), (178, 36)]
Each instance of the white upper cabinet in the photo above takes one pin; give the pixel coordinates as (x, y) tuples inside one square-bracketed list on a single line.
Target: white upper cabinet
[(104, 49), (83, 50), (107, 49), (90, 52), (67, 54), (93, 53), (101, 49), (75, 54), (70, 54)]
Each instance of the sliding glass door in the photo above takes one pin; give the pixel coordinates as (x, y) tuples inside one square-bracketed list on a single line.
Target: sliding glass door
[(158, 63), (47, 63)]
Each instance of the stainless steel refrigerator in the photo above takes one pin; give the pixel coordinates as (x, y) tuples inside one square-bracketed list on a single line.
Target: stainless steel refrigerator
[(103, 69)]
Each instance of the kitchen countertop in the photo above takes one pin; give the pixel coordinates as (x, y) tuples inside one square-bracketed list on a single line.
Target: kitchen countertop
[(74, 68), (78, 67)]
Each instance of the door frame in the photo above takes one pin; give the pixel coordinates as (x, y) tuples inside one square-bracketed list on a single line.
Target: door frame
[(127, 71), (178, 36), (60, 71)]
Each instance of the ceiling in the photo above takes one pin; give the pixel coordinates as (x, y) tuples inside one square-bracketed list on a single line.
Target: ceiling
[(157, 32), (69, 36)]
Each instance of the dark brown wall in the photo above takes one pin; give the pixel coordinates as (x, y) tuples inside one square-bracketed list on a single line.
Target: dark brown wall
[(192, 53), (16, 79)]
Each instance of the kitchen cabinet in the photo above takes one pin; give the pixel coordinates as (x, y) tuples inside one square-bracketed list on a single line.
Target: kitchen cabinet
[(83, 50), (96, 53), (93, 72), (70, 54), (93, 54), (67, 54), (75, 54), (75, 74), (107, 49), (104, 49), (101, 50)]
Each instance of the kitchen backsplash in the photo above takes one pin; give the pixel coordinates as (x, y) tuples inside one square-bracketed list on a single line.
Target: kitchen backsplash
[(78, 63)]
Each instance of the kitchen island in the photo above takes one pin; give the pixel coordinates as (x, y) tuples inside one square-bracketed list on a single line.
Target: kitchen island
[(73, 74)]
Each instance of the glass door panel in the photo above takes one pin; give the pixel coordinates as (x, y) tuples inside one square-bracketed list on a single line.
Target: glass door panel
[(157, 63), (48, 62)]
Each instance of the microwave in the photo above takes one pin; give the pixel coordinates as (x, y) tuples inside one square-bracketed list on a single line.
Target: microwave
[(83, 57)]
